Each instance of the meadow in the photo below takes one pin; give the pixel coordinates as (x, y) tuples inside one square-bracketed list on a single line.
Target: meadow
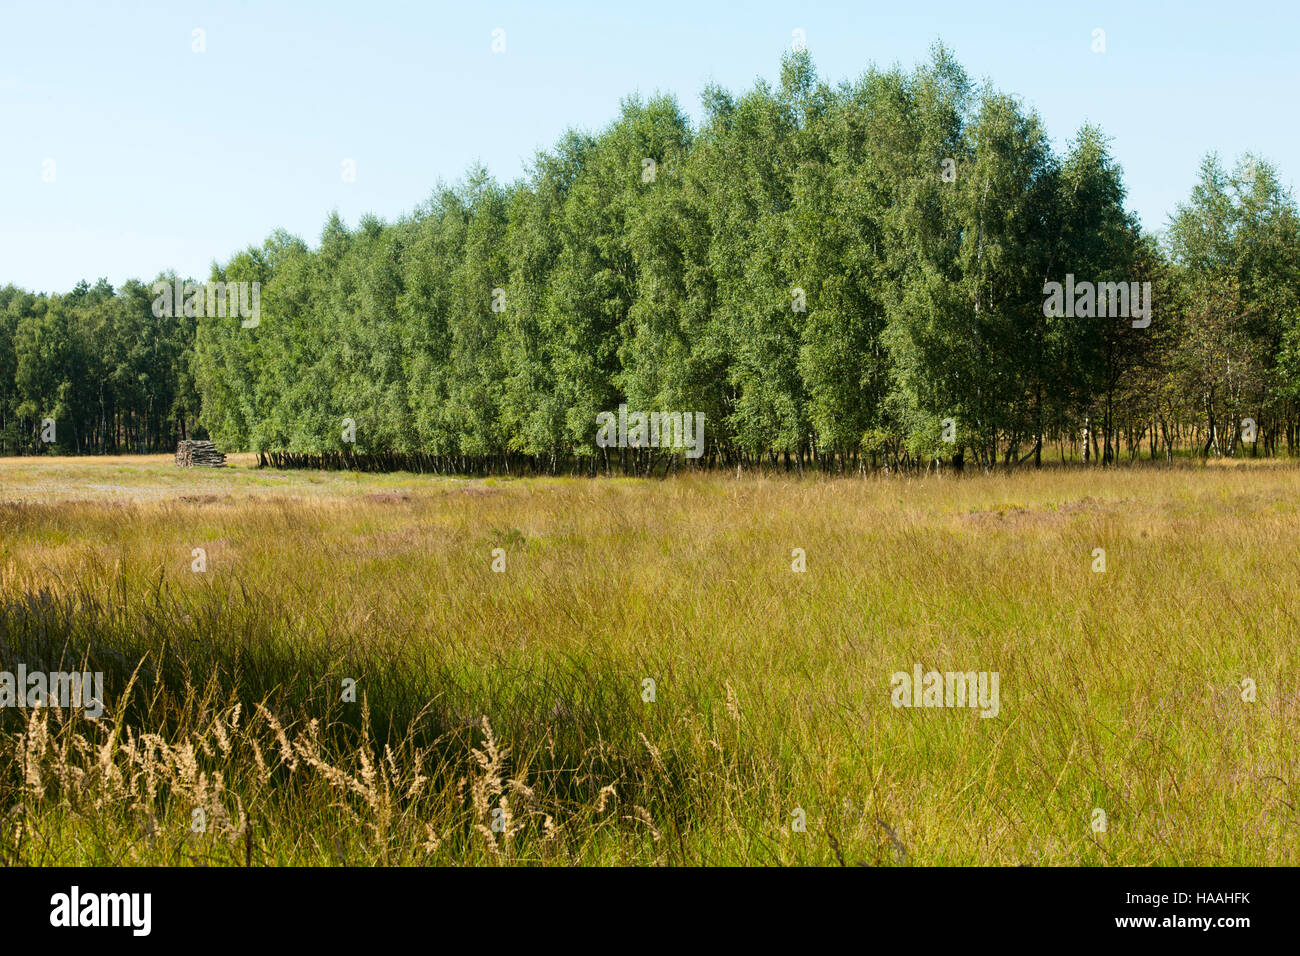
[(646, 679)]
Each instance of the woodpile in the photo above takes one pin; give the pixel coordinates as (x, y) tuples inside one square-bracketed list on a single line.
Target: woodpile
[(201, 453)]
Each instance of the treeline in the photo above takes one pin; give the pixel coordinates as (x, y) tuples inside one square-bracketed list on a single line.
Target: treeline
[(93, 371), (837, 277)]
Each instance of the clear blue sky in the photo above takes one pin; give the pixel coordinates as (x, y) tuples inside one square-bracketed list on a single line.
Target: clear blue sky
[(167, 159)]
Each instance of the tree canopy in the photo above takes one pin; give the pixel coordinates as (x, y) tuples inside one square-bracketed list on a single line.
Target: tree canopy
[(836, 276)]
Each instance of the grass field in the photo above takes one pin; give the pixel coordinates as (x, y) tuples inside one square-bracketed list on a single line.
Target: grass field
[(504, 716)]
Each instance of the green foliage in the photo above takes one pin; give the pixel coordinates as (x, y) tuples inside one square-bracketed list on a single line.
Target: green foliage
[(111, 375), (829, 274)]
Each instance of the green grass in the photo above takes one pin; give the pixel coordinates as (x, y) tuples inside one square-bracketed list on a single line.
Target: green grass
[(1119, 691)]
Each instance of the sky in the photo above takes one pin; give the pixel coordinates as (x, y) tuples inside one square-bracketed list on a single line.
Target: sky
[(126, 151)]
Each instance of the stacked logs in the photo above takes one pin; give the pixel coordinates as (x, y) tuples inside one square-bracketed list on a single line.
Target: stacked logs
[(200, 453)]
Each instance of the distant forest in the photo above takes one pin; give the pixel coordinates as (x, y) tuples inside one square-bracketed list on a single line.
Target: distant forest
[(838, 277)]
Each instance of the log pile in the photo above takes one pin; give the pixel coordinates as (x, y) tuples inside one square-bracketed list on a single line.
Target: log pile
[(200, 453)]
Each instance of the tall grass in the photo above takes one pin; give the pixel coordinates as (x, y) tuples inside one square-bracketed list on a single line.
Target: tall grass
[(499, 717)]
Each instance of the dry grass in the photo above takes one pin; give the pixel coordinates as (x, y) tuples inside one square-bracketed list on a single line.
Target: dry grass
[(499, 716)]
